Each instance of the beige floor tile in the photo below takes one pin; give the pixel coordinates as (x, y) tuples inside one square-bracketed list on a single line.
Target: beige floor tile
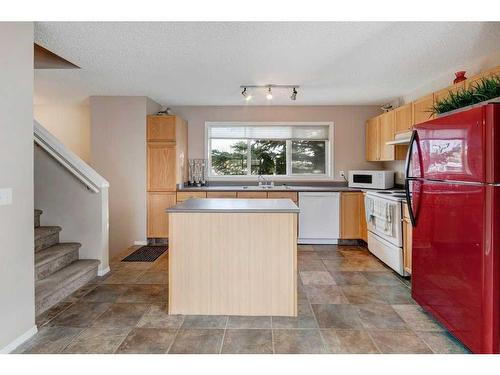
[(442, 343), (363, 294), (398, 341), (121, 315), (380, 317), (197, 341), (157, 317), (49, 340), (144, 294), (330, 294), (205, 321), (304, 319), (81, 314), (316, 278), (105, 293), (97, 341), (337, 316), (349, 341), (298, 341), (249, 322), (147, 341), (247, 341), (416, 318)]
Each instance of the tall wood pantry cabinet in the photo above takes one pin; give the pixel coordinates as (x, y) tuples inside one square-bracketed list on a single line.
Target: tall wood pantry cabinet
[(167, 166)]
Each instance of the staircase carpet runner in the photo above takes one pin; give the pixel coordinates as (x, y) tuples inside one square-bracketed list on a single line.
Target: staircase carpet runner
[(146, 254)]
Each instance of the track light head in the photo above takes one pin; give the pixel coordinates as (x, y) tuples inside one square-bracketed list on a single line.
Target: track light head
[(269, 95), (246, 95), (294, 94)]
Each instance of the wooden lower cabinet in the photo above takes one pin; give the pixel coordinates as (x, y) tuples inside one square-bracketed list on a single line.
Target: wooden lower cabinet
[(157, 219), (221, 194), (352, 216), (185, 195), (251, 194)]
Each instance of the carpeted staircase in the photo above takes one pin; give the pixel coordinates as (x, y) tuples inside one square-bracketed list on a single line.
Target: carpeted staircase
[(58, 269)]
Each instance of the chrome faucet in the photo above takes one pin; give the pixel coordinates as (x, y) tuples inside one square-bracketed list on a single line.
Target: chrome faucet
[(264, 182)]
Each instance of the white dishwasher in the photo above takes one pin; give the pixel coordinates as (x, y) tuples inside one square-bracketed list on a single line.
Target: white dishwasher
[(319, 218)]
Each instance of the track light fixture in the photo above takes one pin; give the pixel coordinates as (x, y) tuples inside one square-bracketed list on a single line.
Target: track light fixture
[(269, 95), (246, 95), (269, 88)]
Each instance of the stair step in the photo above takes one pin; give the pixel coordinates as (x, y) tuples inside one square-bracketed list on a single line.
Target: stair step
[(46, 237), (62, 283), (54, 258), (37, 217)]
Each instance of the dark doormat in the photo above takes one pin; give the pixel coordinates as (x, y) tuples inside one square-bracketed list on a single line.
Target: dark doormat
[(146, 254)]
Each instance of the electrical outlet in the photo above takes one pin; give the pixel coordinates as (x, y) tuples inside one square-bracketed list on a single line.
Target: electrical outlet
[(5, 196), (342, 174)]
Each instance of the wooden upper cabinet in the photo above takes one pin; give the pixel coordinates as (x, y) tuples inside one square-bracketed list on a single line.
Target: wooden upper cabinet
[(161, 166), (403, 119), (422, 109), (372, 146), (386, 134), (161, 128), (474, 80), (444, 93)]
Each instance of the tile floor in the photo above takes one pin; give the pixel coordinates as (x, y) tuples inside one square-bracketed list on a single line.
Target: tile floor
[(349, 302)]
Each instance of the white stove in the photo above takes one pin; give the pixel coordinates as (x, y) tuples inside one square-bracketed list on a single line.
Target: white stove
[(384, 212)]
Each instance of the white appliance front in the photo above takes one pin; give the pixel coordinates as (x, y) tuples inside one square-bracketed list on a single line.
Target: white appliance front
[(387, 252), (319, 218), (390, 230), (371, 179)]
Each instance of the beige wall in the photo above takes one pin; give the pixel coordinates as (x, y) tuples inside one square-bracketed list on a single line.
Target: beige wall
[(68, 122), (349, 127), (17, 312), (118, 153)]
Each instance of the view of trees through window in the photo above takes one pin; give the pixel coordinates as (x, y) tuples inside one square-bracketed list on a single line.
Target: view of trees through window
[(230, 157)]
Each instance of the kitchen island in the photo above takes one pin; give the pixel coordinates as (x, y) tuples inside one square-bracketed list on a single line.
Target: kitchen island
[(233, 257)]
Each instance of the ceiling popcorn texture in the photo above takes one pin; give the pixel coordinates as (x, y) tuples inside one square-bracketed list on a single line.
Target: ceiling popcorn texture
[(200, 63)]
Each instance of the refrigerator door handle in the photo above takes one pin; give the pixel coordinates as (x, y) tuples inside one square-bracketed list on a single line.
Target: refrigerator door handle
[(408, 178)]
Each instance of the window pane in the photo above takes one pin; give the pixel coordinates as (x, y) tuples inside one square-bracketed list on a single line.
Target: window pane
[(229, 157), (308, 157), (268, 157)]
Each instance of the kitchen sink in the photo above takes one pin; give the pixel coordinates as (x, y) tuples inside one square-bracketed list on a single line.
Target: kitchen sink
[(265, 187)]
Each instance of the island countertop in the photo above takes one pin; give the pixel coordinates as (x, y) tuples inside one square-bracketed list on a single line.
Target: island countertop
[(218, 205)]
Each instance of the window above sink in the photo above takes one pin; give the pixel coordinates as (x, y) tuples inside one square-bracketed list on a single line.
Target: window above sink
[(277, 151)]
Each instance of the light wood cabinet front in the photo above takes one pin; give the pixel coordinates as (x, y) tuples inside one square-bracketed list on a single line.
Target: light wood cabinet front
[(372, 149), (221, 194), (157, 218), (422, 109), (161, 128), (161, 171), (283, 195), (386, 134), (185, 195), (352, 215), (476, 79), (444, 93), (251, 194), (403, 119)]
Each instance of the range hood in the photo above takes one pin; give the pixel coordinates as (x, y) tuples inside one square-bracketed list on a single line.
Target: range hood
[(400, 139)]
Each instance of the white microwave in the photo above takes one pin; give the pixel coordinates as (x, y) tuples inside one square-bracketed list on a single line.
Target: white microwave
[(371, 179)]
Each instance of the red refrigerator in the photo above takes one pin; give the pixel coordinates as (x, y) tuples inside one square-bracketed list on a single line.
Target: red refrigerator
[(453, 194)]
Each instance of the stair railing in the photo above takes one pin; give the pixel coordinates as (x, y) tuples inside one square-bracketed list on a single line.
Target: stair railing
[(68, 159)]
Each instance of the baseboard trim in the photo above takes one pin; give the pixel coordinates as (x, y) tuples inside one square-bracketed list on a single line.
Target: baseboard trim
[(140, 243), (19, 340), (103, 271), (318, 241)]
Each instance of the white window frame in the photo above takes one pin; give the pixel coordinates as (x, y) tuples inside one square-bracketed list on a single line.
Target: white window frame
[(307, 177)]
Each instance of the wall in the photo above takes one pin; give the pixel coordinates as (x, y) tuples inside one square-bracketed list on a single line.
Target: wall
[(69, 122), (118, 153), (66, 201), (17, 313), (349, 123)]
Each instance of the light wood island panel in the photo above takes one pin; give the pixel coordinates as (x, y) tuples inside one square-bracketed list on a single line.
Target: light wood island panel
[(236, 264)]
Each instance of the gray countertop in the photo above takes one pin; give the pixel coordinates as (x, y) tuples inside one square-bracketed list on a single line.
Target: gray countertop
[(235, 206), (275, 188)]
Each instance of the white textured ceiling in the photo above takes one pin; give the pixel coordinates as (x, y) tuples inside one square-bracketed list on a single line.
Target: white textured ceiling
[(200, 63)]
